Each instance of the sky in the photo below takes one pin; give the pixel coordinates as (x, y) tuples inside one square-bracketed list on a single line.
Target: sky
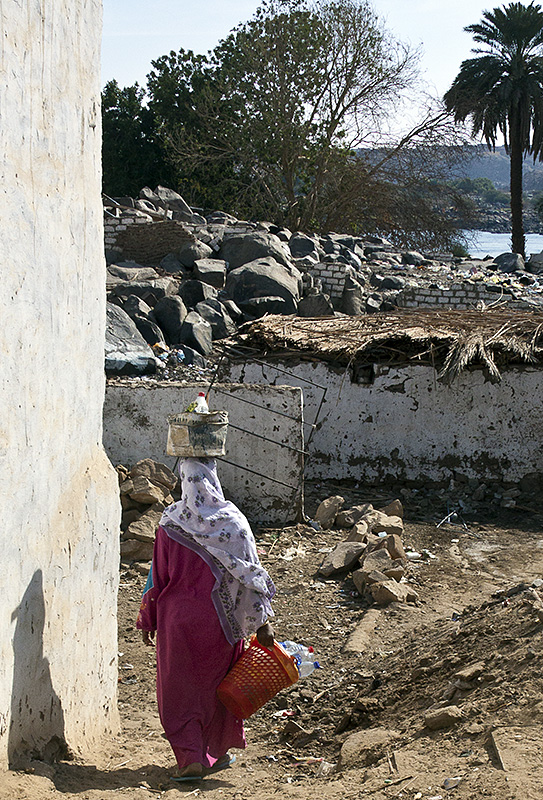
[(139, 31)]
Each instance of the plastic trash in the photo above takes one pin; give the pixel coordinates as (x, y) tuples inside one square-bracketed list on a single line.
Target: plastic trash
[(201, 406), (304, 657)]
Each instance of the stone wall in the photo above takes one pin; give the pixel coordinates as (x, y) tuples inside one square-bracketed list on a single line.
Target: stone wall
[(460, 295), (403, 426), (60, 519), (332, 277), (135, 427)]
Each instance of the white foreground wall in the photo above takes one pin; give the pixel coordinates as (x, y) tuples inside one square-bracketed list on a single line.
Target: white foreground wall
[(136, 427), (407, 426), (60, 512)]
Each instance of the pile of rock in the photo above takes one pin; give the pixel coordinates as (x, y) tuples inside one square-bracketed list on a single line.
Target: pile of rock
[(372, 549), (146, 490), (183, 281)]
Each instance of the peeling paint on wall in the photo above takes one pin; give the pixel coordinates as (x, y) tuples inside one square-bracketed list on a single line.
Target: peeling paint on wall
[(405, 426), (265, 435)]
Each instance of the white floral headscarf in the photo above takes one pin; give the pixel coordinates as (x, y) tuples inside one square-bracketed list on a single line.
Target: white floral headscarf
[(215, 528)]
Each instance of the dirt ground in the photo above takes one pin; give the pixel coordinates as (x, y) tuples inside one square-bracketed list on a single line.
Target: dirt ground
[(474, 612)]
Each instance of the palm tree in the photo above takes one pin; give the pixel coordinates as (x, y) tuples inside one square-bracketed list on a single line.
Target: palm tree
[(502, 91)]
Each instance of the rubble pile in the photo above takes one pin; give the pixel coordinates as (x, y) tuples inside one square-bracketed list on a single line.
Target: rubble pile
[(372, 550), (145, 490), (473, 667), (180, 282)]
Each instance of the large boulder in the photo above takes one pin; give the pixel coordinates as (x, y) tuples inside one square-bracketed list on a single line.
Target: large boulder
[(129, 271), (138, 310), (165, 198), (196, 333), (151, 291), (301, 245), (509, 262), (170, 313), (265, 277), (353, 300), (190, 252), (172, 265), (315, 305), (150, 331), (193, 292), (211, 271), (248, 247), (535, 263), (126, 351), (255, 307), (216, 314)]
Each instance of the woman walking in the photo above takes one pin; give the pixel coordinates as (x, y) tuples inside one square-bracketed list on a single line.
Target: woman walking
[(206, 591)]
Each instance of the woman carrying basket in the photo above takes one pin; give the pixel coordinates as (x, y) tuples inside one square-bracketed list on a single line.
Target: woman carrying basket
[(206, 591)]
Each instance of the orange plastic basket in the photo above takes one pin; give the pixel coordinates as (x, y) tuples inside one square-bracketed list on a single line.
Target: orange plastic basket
[(255, 678)]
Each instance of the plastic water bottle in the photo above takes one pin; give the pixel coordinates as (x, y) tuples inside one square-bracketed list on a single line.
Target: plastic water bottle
[(201, 406), (304, 657)]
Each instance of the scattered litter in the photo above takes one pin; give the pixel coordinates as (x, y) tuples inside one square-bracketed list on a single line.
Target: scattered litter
[(292, 552), (284, 713), (412, 555), (451, 783), (453, 518), (428, 555), (325, 768), (306, 761)]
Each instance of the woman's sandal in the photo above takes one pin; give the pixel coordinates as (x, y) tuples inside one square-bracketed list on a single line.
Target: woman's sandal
[(189, 777), (221, 763)]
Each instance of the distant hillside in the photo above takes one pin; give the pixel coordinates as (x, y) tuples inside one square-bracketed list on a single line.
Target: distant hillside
[(495, 166)]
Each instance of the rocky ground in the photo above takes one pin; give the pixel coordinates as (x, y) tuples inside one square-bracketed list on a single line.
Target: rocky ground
[(359, 727)]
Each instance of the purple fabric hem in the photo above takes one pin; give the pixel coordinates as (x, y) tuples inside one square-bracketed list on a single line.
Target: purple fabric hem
[(217, 574)]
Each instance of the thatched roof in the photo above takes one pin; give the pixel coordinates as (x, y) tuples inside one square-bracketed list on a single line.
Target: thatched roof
[(450, 340)]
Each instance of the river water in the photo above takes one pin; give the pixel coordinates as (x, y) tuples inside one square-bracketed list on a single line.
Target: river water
[(483, 243)]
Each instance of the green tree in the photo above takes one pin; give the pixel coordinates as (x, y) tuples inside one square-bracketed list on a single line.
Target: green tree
[(281, 99), (132, 153), (501, 91)]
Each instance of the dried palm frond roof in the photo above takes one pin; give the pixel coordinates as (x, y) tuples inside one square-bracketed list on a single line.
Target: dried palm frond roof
[(451, 340)]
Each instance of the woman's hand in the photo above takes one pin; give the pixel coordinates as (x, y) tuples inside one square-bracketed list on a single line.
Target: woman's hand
[(147, 637), (265, 635)]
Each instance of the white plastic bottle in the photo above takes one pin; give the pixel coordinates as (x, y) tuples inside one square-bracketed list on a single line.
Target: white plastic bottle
[(201, 404), (304, 657)]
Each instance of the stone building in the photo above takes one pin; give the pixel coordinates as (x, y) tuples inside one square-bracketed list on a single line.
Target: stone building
[(59, 538)]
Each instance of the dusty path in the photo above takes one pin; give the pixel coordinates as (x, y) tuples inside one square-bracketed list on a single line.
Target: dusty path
[(410, 663)]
